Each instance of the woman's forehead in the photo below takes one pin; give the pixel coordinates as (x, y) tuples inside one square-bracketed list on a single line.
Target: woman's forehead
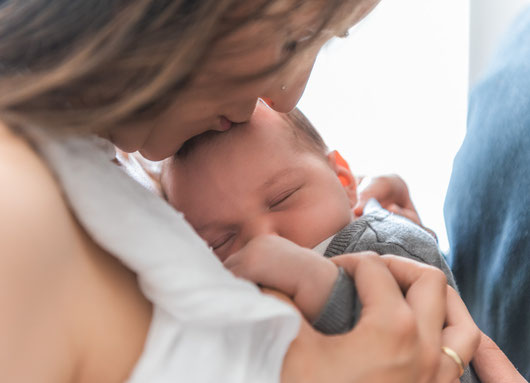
[(259, 45), (285, 20)]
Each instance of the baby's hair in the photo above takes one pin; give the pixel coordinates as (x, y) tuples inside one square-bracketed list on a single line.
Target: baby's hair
[(304, 134)]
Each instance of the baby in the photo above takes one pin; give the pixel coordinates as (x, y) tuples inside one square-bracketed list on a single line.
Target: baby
[(275, 175)]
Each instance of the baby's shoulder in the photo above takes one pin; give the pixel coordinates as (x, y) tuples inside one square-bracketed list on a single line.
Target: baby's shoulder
[(388, 233), (393, 228)]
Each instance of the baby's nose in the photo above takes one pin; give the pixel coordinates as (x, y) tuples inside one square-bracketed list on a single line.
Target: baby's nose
[(260, 227)]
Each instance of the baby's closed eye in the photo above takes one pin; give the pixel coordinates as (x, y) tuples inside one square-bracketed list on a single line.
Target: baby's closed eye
[(282, 197), (221, 241)]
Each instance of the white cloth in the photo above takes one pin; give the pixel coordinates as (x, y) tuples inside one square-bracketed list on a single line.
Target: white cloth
[(322, 246), (208, 326)]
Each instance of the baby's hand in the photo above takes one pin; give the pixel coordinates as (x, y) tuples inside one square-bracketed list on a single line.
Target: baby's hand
[(277, 263)]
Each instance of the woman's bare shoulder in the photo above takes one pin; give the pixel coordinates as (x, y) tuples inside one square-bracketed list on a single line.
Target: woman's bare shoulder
[(34, 244), (34, 215), (54, 278)]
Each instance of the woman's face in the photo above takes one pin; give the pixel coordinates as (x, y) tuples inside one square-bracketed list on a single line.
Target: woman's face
[(213, 101)]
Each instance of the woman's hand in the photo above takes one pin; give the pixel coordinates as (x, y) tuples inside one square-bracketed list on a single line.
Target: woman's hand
[(428, 304), (392, 194), (400, 333), (492, 366)]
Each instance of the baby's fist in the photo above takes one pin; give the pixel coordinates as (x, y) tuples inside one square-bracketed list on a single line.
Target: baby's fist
[(278, 263)]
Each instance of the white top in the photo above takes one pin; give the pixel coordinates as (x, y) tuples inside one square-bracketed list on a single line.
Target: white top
[(322, 246), (207, 326)]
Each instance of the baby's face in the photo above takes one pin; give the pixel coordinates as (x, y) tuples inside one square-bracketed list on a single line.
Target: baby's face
[(256, 180)]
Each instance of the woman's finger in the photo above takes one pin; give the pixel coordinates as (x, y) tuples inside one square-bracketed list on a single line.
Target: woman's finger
[(408, 352), (371, 188), (460, 335), (387, 190), (407, 272), (376, 287), (424, 287), (432, 300)]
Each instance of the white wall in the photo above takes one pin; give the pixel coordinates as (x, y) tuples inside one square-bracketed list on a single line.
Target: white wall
[(488, 21), (392, 97)]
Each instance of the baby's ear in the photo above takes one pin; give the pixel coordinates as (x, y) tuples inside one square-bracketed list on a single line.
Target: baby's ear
[(346, 177)]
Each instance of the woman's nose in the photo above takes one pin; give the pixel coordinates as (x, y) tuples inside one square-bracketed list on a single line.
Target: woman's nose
[(283, 98), (284, 93)]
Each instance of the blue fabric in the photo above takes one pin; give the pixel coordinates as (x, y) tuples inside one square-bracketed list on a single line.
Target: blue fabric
[(487, 208)]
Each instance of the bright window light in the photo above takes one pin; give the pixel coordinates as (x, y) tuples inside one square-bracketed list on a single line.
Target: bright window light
[(392, 97)]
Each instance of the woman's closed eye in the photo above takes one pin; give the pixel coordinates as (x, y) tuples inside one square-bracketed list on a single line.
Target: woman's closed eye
[(292, 45)]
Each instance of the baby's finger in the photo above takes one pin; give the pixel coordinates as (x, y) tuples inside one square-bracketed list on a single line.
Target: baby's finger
[(231, 260), (239, 267)]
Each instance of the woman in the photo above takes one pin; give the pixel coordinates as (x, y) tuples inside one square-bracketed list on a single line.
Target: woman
[(112, 284)]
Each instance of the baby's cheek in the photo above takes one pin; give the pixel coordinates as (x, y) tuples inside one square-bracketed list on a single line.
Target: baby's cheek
[(312, 225)]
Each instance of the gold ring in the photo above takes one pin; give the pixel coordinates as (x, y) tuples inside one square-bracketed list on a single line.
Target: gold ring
[(453, 355)]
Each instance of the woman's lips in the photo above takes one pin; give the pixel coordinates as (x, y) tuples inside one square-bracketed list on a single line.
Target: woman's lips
[(224, 124)]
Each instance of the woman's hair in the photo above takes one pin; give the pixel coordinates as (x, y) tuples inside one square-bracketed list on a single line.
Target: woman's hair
[(91, 65)]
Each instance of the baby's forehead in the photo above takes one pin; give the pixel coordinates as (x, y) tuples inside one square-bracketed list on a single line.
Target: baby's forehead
[(239, 136)]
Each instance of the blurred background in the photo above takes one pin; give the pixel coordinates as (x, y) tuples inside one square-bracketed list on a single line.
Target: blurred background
[(392, 97)]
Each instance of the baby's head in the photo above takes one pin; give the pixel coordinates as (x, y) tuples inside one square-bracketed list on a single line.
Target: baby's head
[(272, 175)]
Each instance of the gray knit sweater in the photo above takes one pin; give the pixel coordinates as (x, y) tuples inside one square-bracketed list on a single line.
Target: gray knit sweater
[(384, 233)]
